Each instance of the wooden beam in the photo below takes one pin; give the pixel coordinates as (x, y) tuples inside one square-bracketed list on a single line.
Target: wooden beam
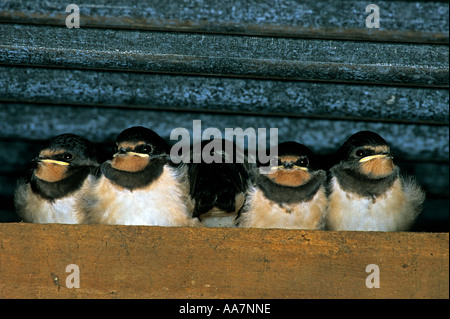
[(226, 95), (226, 55), (159, 262), (400, 21)]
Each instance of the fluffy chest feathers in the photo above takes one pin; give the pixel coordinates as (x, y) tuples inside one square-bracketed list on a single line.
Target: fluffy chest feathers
[(394, 210), (261, 212), (33, 208), (161, 203)]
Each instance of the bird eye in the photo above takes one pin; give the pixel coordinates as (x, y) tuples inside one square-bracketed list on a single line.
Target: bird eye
[(303, 162), (360, 153), (67, 156), (147, 148)]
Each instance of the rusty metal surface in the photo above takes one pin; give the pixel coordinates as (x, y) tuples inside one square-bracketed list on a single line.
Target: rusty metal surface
[(408, 21), (219, 55)]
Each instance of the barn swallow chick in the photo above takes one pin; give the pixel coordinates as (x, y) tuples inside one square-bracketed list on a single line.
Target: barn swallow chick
[(292, 195), (50, 193), (218, 183), (139, 185), (367, 192)]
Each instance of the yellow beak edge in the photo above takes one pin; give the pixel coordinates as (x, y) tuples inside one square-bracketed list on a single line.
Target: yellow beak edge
[(55, 162), (294, 167), (368, 158), (133, 153)]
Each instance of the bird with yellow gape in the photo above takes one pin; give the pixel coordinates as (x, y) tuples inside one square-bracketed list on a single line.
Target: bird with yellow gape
[(361, 190)]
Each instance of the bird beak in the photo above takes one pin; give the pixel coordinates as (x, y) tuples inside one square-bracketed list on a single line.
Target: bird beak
[(131, 153), (53, 162), (274, 168), (300, 168), (368, 158)]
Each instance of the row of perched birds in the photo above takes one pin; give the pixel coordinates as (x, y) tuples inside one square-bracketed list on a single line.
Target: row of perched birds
[(141, 185)]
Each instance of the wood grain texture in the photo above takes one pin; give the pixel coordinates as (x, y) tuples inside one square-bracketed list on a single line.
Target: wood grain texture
[(158, 262), (417, 65), (226, 95), (401, 21)]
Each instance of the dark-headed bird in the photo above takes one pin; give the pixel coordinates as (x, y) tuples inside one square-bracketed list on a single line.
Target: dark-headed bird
[(367, 192), (218, 182), (59, 177), (139, 185), (291, 195)]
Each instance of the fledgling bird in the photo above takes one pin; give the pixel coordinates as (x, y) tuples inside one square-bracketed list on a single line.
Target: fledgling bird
[(292, 195), (367, 192), (50, 193), (139, 185), (218, 184)]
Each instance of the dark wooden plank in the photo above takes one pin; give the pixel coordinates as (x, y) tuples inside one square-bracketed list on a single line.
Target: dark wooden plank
[(236, 56), (227, 95), (159, 262), (407, 21)]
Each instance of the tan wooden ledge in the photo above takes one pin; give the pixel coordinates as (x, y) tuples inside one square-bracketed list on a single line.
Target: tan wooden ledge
[(161, 262)]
